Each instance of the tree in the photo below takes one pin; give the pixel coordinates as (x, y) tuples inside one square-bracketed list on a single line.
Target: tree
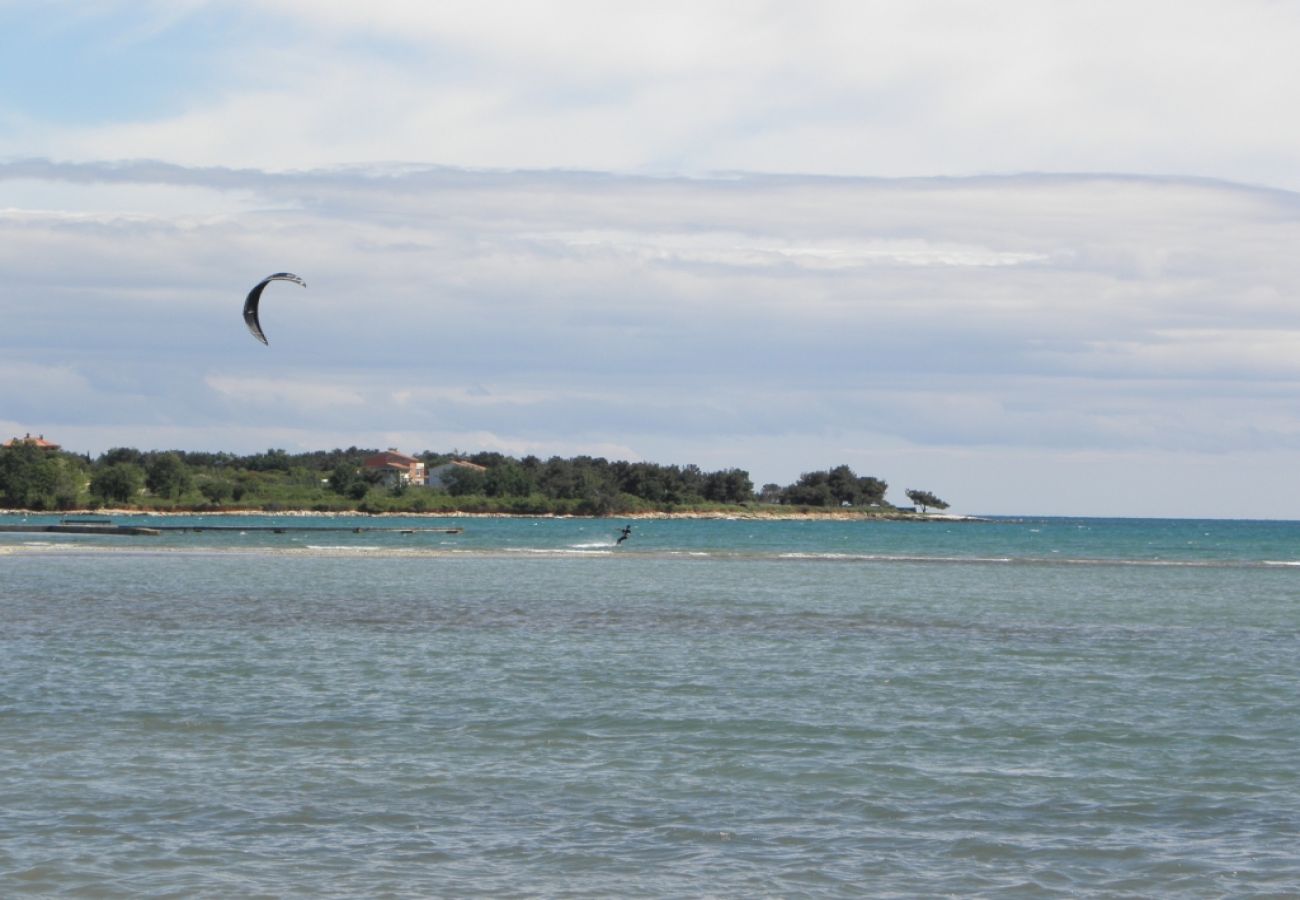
[(118, 482), (843, 485), (580, 478), (121, 455), (21, 475), (729, 486), (462, 481), (34, 478), (507, 479), (273, 460), (873, 489), (837, 486), (811, 489), (216, 490), (168, 476), (344, 478), (925, 499)]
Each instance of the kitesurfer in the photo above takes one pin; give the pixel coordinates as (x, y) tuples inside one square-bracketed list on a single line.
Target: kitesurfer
[(624, 535)]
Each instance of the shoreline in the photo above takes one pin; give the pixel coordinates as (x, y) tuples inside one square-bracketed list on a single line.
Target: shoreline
[(745, 515)]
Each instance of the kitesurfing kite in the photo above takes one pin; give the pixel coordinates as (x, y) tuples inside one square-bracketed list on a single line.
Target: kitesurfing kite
[(255, 296)]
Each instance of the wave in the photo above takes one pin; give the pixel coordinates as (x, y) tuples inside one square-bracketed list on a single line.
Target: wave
[(335, 548), (884, 557), (572, 550), (604, 550)]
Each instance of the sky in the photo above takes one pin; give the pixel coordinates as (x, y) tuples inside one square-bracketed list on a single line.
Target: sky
[(1035, 258)]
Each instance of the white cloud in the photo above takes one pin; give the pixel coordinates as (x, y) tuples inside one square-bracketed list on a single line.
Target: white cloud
[(36, 199), (773, 323), (744, 250), (296, 397), (934, 87)]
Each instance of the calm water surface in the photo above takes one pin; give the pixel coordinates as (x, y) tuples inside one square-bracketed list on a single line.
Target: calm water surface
[(730, 708)]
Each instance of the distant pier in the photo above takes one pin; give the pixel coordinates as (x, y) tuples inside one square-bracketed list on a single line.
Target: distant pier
[(84, 528)]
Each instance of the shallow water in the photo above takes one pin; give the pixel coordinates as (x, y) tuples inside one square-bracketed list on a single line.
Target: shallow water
[(1046, 707)]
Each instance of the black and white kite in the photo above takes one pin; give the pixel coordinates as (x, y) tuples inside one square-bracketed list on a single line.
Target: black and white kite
[(255, 296)]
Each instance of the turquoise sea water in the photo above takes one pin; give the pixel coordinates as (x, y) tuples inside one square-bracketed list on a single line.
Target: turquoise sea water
[(1037, 707)]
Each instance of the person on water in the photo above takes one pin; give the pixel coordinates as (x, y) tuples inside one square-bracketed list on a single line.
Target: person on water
[(626, 533)]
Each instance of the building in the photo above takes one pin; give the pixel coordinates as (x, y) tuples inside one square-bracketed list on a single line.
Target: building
[(395, 468), (39, 442)]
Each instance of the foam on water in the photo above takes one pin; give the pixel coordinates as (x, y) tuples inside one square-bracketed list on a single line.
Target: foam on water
[(357, 548)]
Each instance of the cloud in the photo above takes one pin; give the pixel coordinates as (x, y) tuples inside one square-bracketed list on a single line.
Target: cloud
[(571, 227), (296, 396), (934, 87), (775, 323)]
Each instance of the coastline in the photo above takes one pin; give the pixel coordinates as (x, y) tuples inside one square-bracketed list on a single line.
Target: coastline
[(776, 515)]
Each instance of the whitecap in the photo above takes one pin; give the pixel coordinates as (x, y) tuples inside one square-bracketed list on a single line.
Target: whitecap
[(343, 547)]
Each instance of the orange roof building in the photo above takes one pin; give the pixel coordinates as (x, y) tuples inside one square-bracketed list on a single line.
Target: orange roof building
[(39, 442)]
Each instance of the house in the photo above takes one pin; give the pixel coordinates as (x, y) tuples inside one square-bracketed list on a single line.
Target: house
[(39, 442), (395, 468), (440, 475)]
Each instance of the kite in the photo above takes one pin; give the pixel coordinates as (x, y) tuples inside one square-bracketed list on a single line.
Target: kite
[(255, 296)]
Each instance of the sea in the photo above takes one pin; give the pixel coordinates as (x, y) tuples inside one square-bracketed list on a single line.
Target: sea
[(382, 707)]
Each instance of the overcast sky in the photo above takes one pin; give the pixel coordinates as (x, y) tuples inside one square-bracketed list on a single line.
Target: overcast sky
[(1033, 257)]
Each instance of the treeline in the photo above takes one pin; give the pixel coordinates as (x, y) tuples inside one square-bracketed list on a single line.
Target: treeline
[(335, 481)]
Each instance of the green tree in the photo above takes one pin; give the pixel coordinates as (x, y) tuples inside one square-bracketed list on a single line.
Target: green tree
[(576, 479), (507, 479), (462, 481), (168, 476), (119, 482), (121, 455), (273, 460), (843, 485), (834, 487), (36, 478), (925, 499), (873, 489), (729, 486), (216, 490), (812, 489), (19, 479), (69, 477), (645, 480), (344, 477)]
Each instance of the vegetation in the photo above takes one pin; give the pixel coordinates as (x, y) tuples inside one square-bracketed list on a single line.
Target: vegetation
[(33, 478), (925, 500), (335, 481)]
